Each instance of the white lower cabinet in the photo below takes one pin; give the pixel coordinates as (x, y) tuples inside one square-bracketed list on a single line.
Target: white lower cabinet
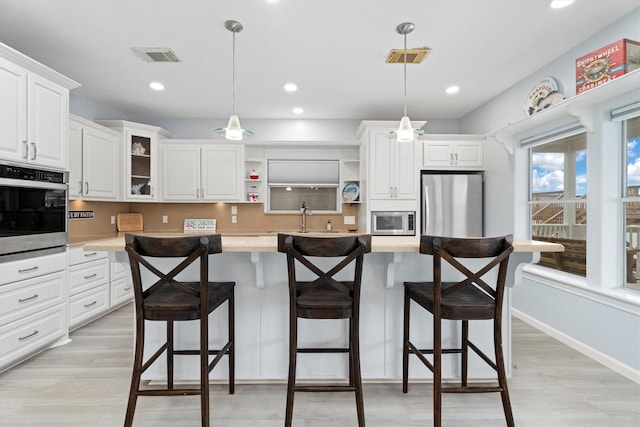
[(33, 306), (86, 306), (88, 286), (121, 284)]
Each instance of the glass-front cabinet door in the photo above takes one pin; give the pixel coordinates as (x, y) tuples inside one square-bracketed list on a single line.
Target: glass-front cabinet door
[(141, 175), (140, 158)]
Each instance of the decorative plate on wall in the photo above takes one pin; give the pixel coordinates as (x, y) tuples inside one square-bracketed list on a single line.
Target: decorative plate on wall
[(542, 95), (350, 192)]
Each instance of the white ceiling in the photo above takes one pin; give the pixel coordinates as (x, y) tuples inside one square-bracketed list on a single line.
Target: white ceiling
[(334, 50)]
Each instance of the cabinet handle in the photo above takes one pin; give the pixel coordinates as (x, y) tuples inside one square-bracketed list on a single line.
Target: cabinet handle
[(26, 150), (151, 190), (35, 151), (28, 299), (202, 193), (451, 158), (90, 304), (80, 187), (91, 276), (91, 254), (86, 187), (456, 158), (27, 270), (32, 334), (126, 289)]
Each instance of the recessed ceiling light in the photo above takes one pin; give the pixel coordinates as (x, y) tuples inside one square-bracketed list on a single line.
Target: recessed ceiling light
[(156, 86), (559, 4), (452, 89), (298, 110), (272, 1), (290, 87)]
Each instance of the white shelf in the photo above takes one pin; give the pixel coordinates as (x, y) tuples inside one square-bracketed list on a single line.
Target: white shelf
[(579, 106)]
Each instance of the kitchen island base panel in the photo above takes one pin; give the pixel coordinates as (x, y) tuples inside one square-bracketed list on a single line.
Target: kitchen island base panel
[(262, 326)]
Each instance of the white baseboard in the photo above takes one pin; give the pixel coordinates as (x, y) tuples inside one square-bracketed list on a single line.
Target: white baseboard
[(598, 356)]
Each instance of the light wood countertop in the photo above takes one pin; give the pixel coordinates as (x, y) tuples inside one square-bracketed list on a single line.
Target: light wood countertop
[(256, 242)]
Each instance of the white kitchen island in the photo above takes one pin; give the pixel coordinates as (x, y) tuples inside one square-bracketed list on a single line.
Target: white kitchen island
[(262, 306)]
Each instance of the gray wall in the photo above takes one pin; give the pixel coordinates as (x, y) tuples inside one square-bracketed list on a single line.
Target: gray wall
[(591, 316)]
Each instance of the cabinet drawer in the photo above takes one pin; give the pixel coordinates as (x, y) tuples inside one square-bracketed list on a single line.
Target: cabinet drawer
[(121, 292), (88, 275), (77, 255), (24, 337), (21, 299), (119, 269), (88, 305), (33, 267)]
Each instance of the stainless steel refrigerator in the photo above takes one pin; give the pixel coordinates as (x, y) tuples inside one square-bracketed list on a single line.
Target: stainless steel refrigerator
[(452, 204)]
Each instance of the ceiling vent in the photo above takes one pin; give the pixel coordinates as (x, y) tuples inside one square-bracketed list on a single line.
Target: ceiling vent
[(414, 56), (156, 54)]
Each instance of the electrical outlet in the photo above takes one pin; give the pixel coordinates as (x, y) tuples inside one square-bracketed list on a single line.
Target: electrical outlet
[(113, 219), (349, 219), (165, 219), (234, 219), (234, 210)]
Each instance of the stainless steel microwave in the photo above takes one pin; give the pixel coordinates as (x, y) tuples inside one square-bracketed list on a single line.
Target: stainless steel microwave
[(386, 223)]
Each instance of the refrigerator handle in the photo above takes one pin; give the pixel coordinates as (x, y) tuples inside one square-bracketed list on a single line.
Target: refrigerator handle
[(425, 217)]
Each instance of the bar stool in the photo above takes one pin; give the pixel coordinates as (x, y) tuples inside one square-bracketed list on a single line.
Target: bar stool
[(170, 300), (469, 299), (325, 298)]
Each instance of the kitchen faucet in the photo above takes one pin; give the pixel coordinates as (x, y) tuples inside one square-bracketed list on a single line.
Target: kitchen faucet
[(304, 211)]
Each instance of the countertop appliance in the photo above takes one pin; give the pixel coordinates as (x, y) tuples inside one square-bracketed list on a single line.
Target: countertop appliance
[(452, 203), (387, 223), (33, 211)]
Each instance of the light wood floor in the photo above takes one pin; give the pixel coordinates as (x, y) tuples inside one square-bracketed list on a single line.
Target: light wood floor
[(86, 383)]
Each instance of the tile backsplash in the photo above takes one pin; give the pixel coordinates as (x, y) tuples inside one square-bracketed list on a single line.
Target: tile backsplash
[(250, 217)]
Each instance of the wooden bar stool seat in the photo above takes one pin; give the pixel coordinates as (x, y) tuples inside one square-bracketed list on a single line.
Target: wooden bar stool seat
[(170, 300), (471, 298), (325, 298)]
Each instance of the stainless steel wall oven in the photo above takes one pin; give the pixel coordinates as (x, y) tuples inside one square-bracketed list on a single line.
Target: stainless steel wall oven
[(33, 211)]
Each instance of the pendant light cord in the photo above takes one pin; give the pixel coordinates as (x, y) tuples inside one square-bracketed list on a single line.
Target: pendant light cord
[(233, 67), (405, 74)]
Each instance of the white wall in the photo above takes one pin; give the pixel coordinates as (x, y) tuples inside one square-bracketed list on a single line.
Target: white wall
[(589, 314)]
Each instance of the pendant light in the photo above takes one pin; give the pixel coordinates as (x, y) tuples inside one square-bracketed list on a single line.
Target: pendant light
[(405, 132), (234, 131)]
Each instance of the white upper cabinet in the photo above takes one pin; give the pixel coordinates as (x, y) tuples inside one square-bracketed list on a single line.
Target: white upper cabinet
[(140, 147), (94, 161), (453, 152), (202, 171), (34, 113)]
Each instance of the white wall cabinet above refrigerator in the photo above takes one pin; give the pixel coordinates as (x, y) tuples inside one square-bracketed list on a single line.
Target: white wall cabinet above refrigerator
[(202, 171), (94, 161), (35, 112), (452, 152), (140, 149)]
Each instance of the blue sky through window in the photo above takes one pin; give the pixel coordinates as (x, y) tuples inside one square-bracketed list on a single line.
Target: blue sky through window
[(633, 161), (547, 172)]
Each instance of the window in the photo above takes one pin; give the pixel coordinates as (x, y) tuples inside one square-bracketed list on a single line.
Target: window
[(557, 200), (294, 182), (631, 201)]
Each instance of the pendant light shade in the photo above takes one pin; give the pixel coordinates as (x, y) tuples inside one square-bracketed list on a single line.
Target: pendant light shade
[(234, 131), (405, 132)]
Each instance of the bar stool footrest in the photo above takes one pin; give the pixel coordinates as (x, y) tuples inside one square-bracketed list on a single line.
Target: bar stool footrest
[(324, 388)]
